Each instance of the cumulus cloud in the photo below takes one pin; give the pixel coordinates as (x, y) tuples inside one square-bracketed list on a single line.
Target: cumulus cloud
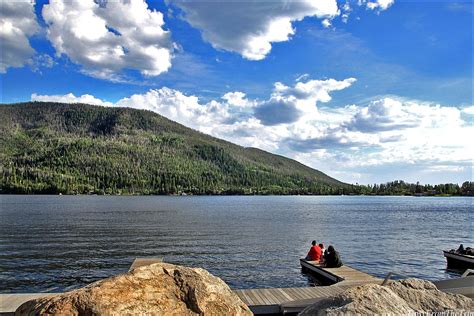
[(342, 141), (389, 114), (290, 104), (238, 99), (70, 98), (17, 24), (468, 110), (178, 107), (250, 28), (105, 37), (326, 23), (312, 90), (278, 111), (379, 5)]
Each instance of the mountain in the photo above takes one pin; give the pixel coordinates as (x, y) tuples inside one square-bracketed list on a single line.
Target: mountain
[(86, 149)]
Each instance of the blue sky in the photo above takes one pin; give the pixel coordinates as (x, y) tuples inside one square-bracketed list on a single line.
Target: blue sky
[(366, 90)]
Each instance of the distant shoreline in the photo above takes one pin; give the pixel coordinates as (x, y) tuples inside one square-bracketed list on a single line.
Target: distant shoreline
[(187, 195)]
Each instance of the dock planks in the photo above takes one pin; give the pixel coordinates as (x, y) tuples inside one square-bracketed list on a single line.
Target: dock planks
[(343, 276), (271, 301), (293, 300), (10, 302)]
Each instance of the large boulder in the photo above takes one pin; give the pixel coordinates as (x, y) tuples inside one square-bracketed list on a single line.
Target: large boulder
[(423, 295), (398, 298), (157, 289)]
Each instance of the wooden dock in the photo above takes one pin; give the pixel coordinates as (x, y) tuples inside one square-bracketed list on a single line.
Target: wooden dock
[(294, 300), (10, 302), (284, 300), (344, 276)]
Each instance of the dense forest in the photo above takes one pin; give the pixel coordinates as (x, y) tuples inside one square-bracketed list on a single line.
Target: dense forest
[(83, 149), (403, 188)]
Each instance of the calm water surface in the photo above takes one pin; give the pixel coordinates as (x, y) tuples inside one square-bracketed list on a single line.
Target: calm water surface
[(54, 243)]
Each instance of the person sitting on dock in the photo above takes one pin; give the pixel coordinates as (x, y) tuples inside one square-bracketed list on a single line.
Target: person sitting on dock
[(314, 253), (332, 258), (323, 253)]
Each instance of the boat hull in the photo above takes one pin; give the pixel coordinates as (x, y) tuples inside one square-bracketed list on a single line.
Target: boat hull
[(458, 262)]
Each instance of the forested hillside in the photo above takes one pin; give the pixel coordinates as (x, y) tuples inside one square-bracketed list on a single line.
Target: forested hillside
[(85, 149)]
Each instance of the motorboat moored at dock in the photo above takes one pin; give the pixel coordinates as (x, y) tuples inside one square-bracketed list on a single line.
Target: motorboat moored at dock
[(458, 261)]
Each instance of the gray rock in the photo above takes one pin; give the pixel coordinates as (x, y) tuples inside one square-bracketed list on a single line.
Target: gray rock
[(423, 296), (157, 289), (398, 298)]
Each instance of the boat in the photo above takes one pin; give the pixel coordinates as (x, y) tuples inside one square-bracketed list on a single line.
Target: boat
[(458, 261)]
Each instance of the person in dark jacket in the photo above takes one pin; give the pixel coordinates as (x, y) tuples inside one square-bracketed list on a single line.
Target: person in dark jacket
[(332, 258)]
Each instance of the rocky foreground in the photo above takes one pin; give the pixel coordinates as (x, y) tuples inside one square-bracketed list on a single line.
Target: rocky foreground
[(166, 289), (157, 289), (405, 297)]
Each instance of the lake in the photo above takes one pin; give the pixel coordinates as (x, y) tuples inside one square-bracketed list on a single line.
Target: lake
[(56, 243)]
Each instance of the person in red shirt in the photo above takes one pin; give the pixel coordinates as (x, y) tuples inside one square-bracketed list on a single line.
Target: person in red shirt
[(314, 254)]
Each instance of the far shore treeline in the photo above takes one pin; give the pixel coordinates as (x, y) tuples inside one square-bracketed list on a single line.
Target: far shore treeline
[(54, 148)]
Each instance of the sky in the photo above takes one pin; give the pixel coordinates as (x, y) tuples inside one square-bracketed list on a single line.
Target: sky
[(367, 91)]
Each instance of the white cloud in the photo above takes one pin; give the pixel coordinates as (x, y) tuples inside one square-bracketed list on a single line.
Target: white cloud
[(468, 110), (326, 23), (380, 5), (290, 104), (373, 141), (70, 98), (238, 99), (396, 114), (402, 133), (250, 28), (17, 24), (107, 37), (178, 107), (346, 12), (302, 77), (41, 61)]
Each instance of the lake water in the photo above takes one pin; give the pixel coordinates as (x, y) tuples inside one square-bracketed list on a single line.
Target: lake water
[(54, 243)]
